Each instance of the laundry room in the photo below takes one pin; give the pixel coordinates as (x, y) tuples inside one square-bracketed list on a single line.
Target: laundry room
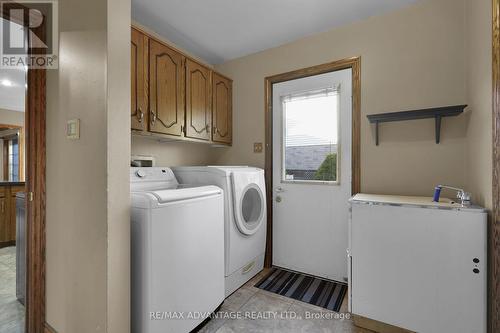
[(360, 117), (256, 166)]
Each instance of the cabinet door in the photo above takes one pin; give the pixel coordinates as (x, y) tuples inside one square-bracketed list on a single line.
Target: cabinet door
[(4, 227), (139, 77), (11, 205), (222, 120), (198, 101), (166, 90)]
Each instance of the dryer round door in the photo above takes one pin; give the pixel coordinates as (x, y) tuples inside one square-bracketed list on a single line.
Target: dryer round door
[(250, 210)]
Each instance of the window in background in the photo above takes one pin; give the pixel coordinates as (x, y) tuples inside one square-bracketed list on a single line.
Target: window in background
[(311, 136), (14, 160)]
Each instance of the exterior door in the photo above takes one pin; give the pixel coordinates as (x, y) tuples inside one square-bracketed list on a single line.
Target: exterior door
[(312, 138), (139, 76), (166, 90), (222, 109), (198, 101)]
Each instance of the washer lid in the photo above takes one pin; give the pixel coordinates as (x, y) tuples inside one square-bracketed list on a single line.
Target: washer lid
[(171, 195)]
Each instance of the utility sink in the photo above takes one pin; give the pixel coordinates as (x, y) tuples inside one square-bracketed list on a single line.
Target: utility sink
[(406, 200)]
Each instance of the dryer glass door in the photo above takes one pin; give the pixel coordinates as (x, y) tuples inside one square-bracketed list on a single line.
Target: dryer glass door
[(251, 210)]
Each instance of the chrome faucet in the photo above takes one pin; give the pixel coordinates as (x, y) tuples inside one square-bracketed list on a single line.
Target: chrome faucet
[(464, 197)]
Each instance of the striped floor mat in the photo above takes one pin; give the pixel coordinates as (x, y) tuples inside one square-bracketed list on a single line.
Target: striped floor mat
[(305, 288)]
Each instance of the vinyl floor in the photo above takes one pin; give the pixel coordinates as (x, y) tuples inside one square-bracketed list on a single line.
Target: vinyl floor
[(11, 311)]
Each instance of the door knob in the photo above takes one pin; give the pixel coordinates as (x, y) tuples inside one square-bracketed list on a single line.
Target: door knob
[(279, 190)]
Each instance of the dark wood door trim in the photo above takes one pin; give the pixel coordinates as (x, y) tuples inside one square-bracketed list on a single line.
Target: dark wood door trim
[(494, 230), (353, 63), (35, 183)]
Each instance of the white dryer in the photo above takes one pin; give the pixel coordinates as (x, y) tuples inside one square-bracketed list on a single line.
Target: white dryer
[(244, 214), (177, 252)]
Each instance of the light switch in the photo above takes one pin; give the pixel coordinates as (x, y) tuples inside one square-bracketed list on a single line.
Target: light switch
[(73, 129), (257, 147)]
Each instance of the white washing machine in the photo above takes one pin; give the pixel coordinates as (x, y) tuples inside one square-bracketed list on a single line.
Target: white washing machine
[(244, 214), (177, 266)]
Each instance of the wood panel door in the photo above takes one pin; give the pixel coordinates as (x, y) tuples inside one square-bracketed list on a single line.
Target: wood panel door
[(139, 77), (166, 90), (222, 113), (198, 101), (4, 227), (12, 210)]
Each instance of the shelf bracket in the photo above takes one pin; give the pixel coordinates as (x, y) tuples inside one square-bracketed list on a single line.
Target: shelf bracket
[(438, 128)]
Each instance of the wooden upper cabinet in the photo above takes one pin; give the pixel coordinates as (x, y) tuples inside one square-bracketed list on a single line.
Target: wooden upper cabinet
[(166, 89), (139, 76), (222, 113), (198, 101), (175, 96)]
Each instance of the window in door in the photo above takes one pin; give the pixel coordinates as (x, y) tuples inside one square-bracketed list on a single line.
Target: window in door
[(311, 136)]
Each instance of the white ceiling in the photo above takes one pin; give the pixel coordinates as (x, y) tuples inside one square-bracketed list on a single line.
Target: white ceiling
[(12, 88), (221, 30), (12, 96)]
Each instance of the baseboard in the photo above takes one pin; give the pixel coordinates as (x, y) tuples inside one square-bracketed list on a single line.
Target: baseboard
[(8, 243), (377, 326), (48, 329)]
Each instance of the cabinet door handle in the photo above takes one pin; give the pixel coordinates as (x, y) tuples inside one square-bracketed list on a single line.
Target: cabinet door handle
[(214, 130), (207, 128), (153, 117), (182, 129), (140, 115)]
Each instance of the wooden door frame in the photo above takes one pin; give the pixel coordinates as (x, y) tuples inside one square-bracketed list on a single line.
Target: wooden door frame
[(35, 108), (494, 230), (353, 63), (35, 217)]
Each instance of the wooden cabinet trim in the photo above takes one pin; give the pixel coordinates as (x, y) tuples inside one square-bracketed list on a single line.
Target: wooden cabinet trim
[(202, 115), (139, 78), (8, 213), (169, 118), (219, 134)]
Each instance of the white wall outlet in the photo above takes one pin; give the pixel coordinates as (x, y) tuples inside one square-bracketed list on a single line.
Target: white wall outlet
[(73, 129)]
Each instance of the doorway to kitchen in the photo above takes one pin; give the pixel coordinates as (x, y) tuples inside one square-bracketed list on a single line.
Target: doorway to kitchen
[(22, 194), (12, 203), (312, 166)]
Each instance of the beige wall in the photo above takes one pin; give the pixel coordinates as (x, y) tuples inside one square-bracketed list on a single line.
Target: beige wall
[(9, 117), (118, 168), (410, 58), (175, 153), (170, 153), (87, 206), (479, 97)]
